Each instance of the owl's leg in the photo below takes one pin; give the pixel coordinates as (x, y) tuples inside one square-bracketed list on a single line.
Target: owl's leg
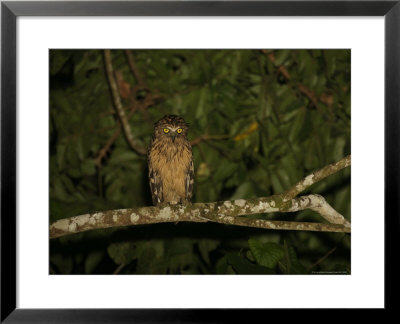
[(168, 204), (163, 204), (185, 202)]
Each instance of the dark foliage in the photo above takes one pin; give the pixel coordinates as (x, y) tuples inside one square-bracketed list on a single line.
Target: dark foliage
[(271, 117)]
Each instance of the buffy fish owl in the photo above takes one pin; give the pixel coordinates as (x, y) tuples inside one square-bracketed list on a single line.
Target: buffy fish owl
[(170, 162)]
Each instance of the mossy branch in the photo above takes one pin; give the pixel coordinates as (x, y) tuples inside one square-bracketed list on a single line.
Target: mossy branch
[(227, 212)]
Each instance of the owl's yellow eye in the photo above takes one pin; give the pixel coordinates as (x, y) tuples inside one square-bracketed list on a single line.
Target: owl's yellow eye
[(179, 130), (166, 130)]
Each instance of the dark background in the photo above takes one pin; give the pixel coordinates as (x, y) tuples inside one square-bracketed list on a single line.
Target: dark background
[(260, 120)]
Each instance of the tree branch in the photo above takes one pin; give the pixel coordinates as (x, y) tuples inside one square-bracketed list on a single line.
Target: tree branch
[(207, 137), (227, 212), (317, 176), (118, 105), (148, 102), (103, 151), (134, 69), (301, 87)]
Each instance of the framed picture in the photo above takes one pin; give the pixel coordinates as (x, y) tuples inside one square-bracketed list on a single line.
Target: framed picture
[(256, 111)]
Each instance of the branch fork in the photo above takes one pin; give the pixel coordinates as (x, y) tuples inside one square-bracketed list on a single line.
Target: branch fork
[(227, 212)]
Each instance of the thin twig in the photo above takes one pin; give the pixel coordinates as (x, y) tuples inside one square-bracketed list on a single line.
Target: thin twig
[(103, 151), (134, 69), (206, 137), (118, 105), (118, 270), (317, 176), (285, 73), (322, 259), (148, 102)]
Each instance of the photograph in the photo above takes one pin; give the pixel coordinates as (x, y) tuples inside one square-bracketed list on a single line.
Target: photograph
[(200, 161)]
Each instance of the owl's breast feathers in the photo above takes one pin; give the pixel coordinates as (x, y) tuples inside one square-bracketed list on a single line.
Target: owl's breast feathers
[(171, 171)]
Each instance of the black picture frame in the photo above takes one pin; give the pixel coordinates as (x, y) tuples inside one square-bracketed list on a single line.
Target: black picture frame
[(11, 10)]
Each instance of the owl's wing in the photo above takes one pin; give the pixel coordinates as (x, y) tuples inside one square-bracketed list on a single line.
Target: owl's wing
[(155, 186), (189, 181)]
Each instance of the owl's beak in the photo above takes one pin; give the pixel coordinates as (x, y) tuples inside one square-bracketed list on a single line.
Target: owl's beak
[(173, 138)]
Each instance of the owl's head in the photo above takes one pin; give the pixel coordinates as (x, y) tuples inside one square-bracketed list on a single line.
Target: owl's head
[(171, 126)]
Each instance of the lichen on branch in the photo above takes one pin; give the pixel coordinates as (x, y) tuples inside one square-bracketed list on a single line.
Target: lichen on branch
[(316, 177), (231, 212)]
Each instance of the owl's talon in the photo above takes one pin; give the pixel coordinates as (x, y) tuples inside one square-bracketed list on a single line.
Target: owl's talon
[(185, 203), (163, 205)]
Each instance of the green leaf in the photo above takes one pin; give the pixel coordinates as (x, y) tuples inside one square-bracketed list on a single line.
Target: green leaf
[(206, 246), (179, 245), (266, 254), (58, 60), (291, 264), (201, 108), (245, 190), (243, 266), (88, 167), (225, 170), (61, 148), (122, 252), (338, 148), (120, 156), (281, 56), (297, 125), (63, 263), (223, 267), (277, 183), (93, 260)]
